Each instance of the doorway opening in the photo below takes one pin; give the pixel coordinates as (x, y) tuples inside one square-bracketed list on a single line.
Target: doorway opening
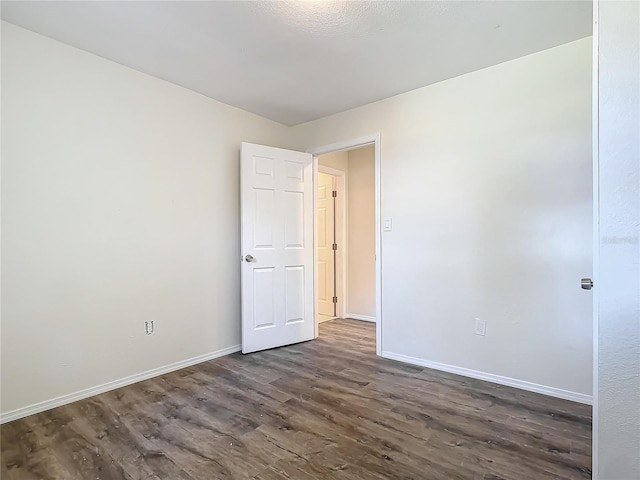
[(347, 239)]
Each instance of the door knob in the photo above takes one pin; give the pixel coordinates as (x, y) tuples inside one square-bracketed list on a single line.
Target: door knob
[(249, 258), (586, 283)]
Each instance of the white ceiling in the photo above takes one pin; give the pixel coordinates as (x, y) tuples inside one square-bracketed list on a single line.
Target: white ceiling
[(298, 61)]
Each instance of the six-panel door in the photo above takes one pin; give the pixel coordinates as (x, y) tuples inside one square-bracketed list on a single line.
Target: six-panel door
[(277, 235)]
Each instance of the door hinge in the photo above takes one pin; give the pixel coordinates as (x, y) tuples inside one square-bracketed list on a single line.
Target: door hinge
[(335, 299), (334, 193), (335, 246)]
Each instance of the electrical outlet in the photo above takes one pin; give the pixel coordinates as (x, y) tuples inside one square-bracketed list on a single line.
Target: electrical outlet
[(481, 327), (148, 327)]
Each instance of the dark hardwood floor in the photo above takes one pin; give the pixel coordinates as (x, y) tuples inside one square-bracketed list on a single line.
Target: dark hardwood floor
[(323, 409)]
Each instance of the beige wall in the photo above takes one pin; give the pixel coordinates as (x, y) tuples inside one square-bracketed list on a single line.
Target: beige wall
[(120, 204), (337, 160), (361, 285), (487, 177)]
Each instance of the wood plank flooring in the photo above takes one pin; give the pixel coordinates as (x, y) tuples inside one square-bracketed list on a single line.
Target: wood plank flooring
[(323, 409)]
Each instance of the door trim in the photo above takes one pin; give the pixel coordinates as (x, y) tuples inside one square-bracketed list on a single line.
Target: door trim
[(342, 252), (596, 238), (353, 144)]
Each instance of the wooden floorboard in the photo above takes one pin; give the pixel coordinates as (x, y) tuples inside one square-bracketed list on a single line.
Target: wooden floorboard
[(323, 409)]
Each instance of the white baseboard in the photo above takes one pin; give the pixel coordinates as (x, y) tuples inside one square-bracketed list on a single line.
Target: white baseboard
[(489, 377), (105, 387), (364, 318)]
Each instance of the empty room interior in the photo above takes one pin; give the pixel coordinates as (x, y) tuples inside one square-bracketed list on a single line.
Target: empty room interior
[(309, 240)]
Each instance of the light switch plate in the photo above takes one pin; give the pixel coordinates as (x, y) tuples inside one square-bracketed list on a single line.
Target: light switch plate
[(386, 225)]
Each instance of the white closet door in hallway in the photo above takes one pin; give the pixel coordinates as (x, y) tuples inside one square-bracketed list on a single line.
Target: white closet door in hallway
[(325, 241)]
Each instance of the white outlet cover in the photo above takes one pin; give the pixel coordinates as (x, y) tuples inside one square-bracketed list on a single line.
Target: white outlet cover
[(481, 327)]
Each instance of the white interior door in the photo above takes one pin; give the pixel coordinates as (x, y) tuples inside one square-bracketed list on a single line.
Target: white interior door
[(277, 247), (325, 238)]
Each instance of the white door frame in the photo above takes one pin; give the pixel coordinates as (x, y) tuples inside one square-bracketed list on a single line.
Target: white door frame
[(596, 239), (341, 236), (373, 139)]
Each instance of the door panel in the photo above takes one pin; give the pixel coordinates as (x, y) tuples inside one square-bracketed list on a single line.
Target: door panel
[(294, 219), (263, 297), (294, 288), (264, 205), (277, 236), (324, 242)]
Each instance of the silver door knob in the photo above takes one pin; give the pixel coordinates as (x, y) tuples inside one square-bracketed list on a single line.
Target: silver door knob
[(586, 284), (249, 258)]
